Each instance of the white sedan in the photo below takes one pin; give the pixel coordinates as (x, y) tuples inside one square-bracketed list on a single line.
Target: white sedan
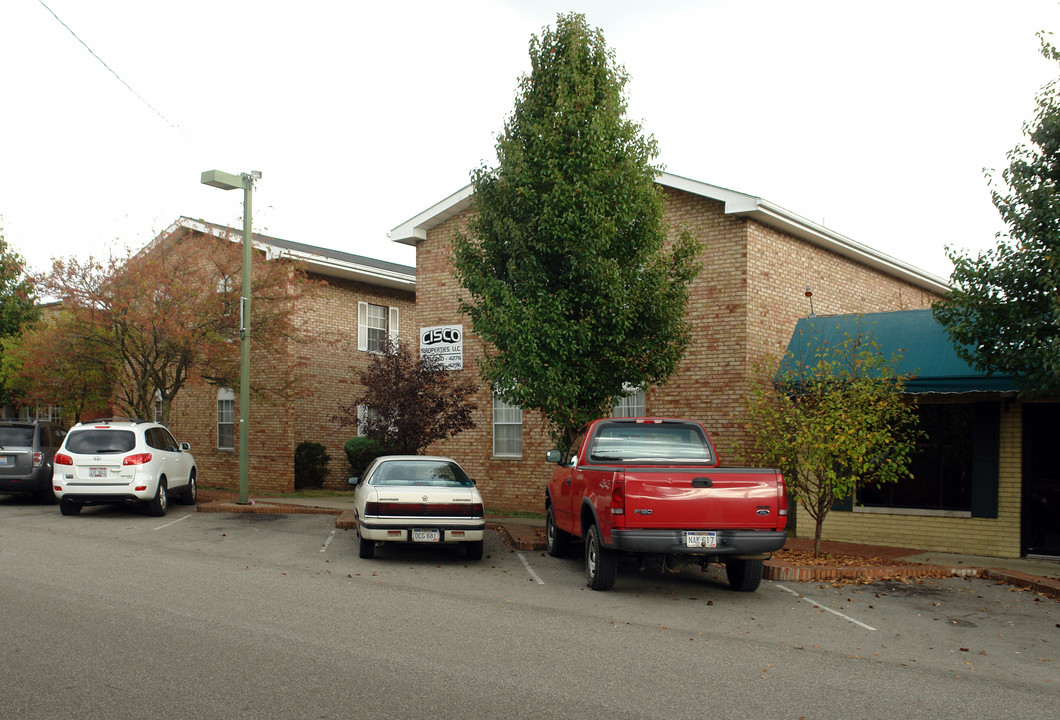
[(418, 499)]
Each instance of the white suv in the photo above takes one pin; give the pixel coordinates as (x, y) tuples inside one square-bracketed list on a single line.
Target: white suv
[(118, 460)]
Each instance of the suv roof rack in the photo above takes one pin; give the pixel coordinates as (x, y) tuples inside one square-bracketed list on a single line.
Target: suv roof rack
[(116, 419)]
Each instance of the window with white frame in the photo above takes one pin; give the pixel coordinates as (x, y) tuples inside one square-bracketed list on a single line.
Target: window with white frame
[(507, 429), (632, 404), (375, 323), (226, 419)]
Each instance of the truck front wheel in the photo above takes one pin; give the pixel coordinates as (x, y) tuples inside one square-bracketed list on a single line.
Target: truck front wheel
[(601, 564), (557, 541), (744, 575)]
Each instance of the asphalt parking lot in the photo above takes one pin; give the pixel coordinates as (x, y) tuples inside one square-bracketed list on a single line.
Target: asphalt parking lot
[(937, 648)]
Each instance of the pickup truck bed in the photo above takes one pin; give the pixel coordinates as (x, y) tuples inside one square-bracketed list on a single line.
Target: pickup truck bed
[(653, 486)]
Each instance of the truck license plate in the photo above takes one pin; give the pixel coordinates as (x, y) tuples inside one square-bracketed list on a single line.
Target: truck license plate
[(97, 472), (701, 540), (7, 460), (425, 536)]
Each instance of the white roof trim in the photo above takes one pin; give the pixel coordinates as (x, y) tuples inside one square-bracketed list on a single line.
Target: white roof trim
[(414, 230), (317, 263)]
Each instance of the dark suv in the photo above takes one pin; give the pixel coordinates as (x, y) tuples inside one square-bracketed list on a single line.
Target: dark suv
[(27, 448)]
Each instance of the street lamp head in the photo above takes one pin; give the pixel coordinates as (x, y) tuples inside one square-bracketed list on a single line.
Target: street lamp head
[(256, 174), (223, 180)]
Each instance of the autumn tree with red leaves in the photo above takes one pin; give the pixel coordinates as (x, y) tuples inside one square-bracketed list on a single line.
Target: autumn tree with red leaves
[(408, 402), (172, 310)]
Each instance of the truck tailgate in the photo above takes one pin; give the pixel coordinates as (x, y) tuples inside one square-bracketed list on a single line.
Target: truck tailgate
[(703, 498)]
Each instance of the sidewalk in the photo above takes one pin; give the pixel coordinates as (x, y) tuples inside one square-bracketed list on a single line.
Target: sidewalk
[(873, 561)]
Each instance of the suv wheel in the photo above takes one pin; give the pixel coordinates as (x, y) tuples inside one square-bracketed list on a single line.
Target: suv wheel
[(158, 505), (190, 493), (67, 507)]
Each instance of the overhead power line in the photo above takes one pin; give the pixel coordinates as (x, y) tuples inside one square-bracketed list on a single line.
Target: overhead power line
[(97, 57)]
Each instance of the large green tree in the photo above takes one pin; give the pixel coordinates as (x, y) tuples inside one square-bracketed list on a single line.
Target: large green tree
[(1003, 313), (571, 278), (833, 419)]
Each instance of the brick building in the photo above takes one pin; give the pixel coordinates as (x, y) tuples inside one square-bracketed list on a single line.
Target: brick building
[(356, 303), (758, 262)]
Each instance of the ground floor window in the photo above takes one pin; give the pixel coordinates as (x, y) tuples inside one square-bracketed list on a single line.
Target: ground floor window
[(632, 405), (226, 419), (507, 429), (942, 464)]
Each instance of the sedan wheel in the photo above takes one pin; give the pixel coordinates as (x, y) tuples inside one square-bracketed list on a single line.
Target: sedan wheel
[(367, 548)]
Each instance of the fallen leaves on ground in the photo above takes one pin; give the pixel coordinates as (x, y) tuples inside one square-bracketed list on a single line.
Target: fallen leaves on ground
[(805, 558)]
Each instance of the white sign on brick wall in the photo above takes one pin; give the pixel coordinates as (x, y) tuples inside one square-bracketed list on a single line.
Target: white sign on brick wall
[(446, 342)]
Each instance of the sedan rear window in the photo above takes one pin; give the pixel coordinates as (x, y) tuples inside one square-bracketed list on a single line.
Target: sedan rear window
[(420, 472), (16, 435), (100, 442)]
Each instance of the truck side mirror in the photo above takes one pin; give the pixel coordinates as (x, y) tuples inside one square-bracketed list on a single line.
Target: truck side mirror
[(353, 480), (553, 456)]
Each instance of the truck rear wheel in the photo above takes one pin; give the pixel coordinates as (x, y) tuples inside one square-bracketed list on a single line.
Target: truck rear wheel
[(744, 575), (557, 541), (601, 564)]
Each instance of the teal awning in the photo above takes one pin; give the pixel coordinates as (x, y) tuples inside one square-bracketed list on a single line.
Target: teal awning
[(927, 352)]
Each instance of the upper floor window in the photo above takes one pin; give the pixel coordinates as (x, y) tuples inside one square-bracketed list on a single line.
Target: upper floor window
[(375, 323)]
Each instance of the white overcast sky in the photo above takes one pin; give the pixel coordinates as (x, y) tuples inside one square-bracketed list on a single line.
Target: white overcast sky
[(874, 119)]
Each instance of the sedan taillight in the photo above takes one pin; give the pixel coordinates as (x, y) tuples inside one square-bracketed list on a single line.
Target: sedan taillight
[(137, 459), (63, 459)]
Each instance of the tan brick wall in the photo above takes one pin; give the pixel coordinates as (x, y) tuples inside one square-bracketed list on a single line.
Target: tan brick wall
[(328, 365), (993, 537), (745, 302)]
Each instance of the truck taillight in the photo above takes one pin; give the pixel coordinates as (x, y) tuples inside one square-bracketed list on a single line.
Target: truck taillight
[(137, 459), (618, 497), (38, 459), (63, 459), (782, 506)]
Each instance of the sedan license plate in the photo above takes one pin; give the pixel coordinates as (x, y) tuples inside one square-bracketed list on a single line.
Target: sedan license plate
[(426, 536), (701, 540), (96, 472)]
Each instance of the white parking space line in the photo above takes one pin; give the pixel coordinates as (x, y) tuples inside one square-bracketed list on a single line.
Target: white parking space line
[(819, 605), (173, 523), (331, 536), (530, 570)]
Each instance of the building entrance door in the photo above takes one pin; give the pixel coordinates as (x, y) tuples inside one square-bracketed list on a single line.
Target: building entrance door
[(1041, 479)]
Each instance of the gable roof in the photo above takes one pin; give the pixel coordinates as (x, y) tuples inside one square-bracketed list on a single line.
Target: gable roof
[(317, 260), (739, 204), (927, 353)]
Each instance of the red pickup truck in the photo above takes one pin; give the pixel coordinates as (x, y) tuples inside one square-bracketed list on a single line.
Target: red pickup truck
[(653, 486)]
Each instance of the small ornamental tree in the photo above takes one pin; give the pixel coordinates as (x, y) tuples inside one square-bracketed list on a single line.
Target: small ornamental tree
[(833, 420), (571, 276), (408, 402), (1003, 313)]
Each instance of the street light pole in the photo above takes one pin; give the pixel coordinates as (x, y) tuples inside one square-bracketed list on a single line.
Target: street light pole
[(227, 181)]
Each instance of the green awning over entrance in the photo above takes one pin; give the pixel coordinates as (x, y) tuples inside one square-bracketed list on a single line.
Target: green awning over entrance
[(927, 352)]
